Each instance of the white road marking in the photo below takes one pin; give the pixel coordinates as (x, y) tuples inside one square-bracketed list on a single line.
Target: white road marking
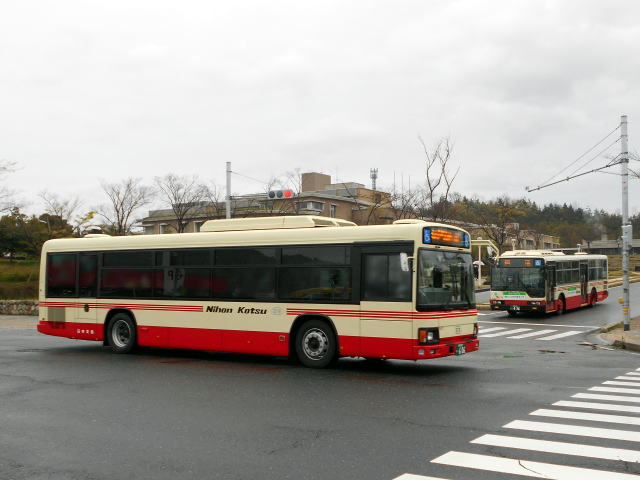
[(599, 406), (606, 453), (527, 468), (592, 417), (485, 330), (615, 398), (508, 332), (634, 379), (564, 429), (629, 391), (633, 373), (533, 334), (622, 384), (541, 325), (411, 476), (561, 335)]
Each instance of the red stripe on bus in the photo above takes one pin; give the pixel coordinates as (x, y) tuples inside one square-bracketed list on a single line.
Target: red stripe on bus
[(261, 343), (156, 307)]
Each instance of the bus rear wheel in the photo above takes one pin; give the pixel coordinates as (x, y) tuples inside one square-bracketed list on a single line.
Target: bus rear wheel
[(316, 344), (121, 333)]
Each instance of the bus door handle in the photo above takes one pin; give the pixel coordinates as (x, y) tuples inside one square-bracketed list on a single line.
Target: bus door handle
[(86, 307)]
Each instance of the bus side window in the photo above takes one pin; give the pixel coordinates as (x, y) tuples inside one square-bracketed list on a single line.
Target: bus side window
[(383, 278), (88, 275), (61, 275)]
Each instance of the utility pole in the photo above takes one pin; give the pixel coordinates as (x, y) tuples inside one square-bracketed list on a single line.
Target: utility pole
[(228, 198), (626, 226)]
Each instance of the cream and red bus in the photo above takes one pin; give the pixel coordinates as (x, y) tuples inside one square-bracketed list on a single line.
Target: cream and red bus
[(314, 288), (545, 281)]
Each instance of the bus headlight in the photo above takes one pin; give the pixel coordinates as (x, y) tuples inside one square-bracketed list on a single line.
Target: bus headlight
[(428, 335)]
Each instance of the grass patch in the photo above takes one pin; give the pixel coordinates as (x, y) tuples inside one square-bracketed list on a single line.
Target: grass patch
[(19, 291), (19, 271)]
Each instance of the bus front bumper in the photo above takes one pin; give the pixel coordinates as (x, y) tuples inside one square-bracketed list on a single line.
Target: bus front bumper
[(520, 307), (447, 347)]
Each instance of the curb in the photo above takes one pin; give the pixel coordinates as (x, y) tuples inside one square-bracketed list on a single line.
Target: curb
[(609, 327)]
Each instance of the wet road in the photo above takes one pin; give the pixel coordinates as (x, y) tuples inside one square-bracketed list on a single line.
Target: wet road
[(73, 410)]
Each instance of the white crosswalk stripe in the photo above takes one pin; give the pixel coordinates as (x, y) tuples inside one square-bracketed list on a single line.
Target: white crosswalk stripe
[(527, 468), (629, 391), (599, 406), (563, 448), (411, 476), (519, 333), (613, 398), (533, 334), (593, 417), (622, 384), (564, 429), (508, 332), (510, 463), (562, 335), (493, 329)]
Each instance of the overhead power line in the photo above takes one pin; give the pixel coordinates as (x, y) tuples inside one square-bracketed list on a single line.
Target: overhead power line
[(583, 155), (250, 178), (595, 156), (572, 177)]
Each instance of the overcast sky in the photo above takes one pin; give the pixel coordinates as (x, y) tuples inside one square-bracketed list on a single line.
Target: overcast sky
[(95, 91)]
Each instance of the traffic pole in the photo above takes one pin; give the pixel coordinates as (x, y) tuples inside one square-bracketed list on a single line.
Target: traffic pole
[(228, 198), (627, 234)]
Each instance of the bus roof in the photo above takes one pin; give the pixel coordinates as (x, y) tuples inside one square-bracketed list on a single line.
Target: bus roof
[(551, 255), (401, 230)]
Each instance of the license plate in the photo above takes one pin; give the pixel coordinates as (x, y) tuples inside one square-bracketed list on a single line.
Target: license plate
[(515, 307), (461, 349)]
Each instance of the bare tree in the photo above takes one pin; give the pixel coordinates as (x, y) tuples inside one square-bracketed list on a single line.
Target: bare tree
[(404, 204), (7, 196), (433, 202), (214, 196), (55, 206), (184, 194), (125, 199), (497, 220)]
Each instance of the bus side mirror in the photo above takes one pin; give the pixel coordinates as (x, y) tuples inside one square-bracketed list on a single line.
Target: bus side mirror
[(404, 262)]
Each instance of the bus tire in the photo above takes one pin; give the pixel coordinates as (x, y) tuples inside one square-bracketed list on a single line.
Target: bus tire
[(316, 344), (122, 333), (562, 306)]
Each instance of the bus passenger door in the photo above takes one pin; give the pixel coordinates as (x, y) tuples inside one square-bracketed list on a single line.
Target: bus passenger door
[(386, 324), (584, 281), (550, 286)]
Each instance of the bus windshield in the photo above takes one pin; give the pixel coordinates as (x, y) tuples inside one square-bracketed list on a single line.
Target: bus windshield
[(525, 279), (445, 280)]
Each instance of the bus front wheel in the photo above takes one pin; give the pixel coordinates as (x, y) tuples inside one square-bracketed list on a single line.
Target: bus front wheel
[(122, 333), (316, 344)]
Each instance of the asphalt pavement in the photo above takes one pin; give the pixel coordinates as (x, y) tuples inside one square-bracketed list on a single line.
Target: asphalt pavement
[(73, 410)]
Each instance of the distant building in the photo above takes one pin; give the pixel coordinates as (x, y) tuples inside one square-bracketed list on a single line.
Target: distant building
[(317, 196), (350, 201)]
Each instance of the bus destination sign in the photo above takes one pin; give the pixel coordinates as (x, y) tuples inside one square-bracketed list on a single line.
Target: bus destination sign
[(445, 236), (521, 262)]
